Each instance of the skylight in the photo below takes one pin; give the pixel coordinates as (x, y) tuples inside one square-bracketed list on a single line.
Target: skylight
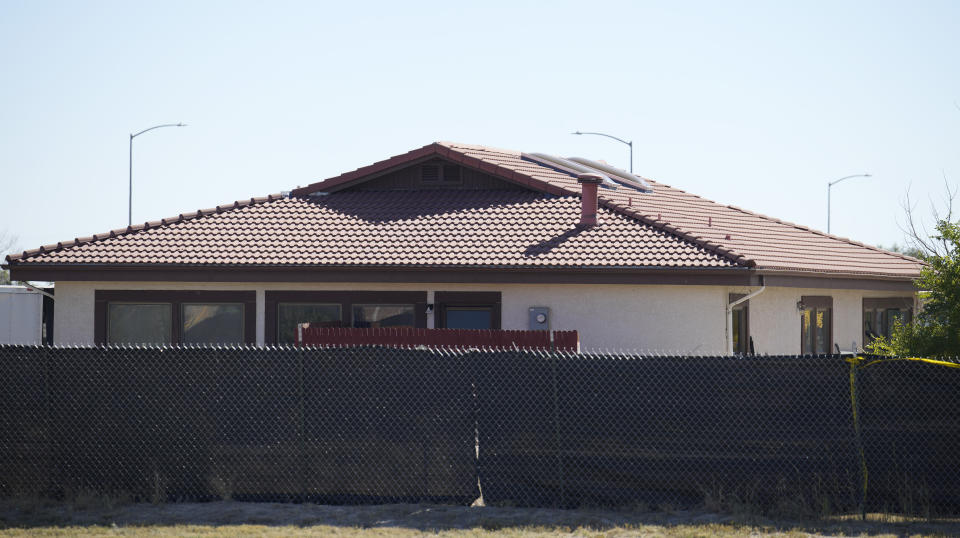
[(574, 166)]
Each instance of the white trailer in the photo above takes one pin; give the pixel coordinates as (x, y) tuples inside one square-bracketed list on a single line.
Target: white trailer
[(21, 315)]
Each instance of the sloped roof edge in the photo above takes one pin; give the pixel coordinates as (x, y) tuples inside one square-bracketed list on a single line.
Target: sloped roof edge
[(17, 257)]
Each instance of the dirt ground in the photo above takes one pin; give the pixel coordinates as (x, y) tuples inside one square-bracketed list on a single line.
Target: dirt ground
[(19, 517)]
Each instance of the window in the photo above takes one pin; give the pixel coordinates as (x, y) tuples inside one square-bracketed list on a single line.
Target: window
[(174, 316), (741, 325), (816, 325), (290, 315), (130, 323), (881, 315), (212, 323), (469, 317), (383, 315), (285, 309), (468, 310), (438, 173)]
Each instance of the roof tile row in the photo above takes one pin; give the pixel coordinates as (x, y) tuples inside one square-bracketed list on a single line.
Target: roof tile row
[(438, 228)]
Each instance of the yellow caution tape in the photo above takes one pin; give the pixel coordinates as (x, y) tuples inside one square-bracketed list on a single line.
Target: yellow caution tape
[(858, 363)]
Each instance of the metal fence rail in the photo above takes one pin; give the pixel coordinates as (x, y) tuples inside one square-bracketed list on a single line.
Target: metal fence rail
[(374, 424), (447, 338)]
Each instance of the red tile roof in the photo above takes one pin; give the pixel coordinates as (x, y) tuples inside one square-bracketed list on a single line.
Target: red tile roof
[(437, 228), (750, 238), (665, 228)]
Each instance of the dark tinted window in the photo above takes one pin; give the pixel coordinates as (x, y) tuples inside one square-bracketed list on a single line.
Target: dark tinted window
[(289, 315), (212, 323), (469, 317), (129, 323)]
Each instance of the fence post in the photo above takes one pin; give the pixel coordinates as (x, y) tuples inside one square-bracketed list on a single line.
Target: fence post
[(472, 362), (301, 442), (555, 358), (51, 454), (858, 437)]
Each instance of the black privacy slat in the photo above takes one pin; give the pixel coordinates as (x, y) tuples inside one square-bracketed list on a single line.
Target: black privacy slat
[(532, 428)]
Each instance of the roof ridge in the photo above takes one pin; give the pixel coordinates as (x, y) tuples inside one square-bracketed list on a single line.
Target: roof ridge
[(120, 232), (451, 145)]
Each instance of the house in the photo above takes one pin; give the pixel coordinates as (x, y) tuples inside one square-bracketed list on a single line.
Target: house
[(456, 235)]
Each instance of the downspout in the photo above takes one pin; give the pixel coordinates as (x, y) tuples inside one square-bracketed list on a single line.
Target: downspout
[(730, 315)]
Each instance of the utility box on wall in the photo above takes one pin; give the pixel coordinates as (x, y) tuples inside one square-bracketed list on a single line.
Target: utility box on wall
[(539, 318)]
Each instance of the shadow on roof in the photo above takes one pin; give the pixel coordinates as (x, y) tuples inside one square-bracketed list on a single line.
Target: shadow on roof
[(391, 206), (545, 247)]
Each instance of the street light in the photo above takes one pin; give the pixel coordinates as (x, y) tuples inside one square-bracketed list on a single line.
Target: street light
[(830, 186), (132, 136), (630, 143)]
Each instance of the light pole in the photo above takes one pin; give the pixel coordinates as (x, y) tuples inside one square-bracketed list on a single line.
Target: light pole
[(830, 186), (132, 136), (630, 143)]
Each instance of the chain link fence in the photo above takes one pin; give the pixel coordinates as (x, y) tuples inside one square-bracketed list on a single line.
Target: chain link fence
[(530, 428)]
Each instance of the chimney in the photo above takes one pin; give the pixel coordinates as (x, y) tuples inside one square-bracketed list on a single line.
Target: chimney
[(588, 198)]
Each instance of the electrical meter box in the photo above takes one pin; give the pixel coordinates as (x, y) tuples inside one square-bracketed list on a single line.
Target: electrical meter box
[(539, 318)]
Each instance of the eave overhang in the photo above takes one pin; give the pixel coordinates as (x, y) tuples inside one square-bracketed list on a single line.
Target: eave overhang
[(720, 276)]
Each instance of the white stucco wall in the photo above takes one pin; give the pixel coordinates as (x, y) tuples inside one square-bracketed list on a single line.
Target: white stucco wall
[(680, 319), (652, 318), (775, 320)]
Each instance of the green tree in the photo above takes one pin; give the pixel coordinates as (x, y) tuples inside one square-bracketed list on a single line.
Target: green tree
[(935, 330)]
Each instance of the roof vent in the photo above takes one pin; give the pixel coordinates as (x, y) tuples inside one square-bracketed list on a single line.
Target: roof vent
[(436, 173), (430, 173), (588, 198)]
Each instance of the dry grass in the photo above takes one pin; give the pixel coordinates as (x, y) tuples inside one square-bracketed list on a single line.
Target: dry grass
[(326, 530), (96, 518)]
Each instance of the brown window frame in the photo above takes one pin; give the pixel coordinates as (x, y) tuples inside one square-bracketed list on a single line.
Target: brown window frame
[(346, 299), (884, 303), (488, 299), (745, 327), (176, 298), (817, 301)]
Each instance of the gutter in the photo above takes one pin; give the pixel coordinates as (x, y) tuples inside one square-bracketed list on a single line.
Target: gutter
[(730, 307), (31, 287)]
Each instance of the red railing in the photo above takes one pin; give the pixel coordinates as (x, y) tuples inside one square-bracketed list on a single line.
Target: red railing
[(458, 338)]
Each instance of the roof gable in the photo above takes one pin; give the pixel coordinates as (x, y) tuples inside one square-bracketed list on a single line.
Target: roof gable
[(434, 173)]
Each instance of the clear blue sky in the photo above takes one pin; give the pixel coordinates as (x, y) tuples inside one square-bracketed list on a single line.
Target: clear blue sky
[(757, 104)]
